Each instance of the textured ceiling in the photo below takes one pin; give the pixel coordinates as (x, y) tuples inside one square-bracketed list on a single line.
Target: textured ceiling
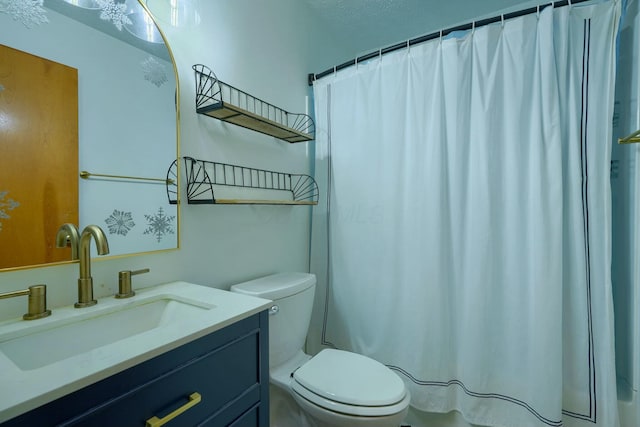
[(366, 25)]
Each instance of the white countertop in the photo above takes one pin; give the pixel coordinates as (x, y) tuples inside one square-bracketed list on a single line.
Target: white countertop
[(24, 390)]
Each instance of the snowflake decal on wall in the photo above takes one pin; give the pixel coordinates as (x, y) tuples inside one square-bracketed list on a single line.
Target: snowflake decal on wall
[(154, 71), (120, 222), (114, 12), (6, 205), (29, 12), (159, 224)]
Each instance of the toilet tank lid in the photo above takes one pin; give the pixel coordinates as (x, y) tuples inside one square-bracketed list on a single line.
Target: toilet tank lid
[(276, 286)]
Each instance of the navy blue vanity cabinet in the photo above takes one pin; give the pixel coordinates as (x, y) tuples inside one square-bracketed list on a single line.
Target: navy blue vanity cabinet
[(228, 368)]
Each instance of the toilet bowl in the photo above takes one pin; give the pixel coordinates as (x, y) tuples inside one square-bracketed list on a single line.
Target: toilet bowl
[(335, 388)]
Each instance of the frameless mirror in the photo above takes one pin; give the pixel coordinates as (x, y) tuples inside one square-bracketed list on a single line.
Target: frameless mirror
[(125, 136)]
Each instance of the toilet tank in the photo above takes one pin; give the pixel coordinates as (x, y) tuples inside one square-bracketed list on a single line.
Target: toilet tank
[(292, 295)]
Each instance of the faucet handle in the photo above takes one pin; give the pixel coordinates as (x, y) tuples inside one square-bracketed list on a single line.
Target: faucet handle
[(124, 282), (68, 235), (37, 301)]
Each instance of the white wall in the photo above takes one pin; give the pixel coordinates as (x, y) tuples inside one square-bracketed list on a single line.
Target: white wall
[(266, 49)]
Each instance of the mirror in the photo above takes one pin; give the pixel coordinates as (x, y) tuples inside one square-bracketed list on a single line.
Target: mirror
[(126, 125)]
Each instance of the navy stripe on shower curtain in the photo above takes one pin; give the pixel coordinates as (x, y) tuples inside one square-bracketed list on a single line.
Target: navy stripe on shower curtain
[(590, 414)]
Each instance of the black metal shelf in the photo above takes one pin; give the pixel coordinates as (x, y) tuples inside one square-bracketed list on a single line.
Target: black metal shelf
[(222, 101), (242, 185), (172, 183)]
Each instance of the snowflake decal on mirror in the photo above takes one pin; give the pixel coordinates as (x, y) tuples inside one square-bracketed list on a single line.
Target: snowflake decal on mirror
[(120, 222), (6, 205), (159, 224), (114, 12), (29, 12), (154, 71)]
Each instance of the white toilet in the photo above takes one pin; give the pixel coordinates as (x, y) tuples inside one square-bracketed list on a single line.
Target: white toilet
[(335, 388)]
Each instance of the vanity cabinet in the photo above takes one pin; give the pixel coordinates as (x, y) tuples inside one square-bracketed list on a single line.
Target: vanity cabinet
[(229, 369)]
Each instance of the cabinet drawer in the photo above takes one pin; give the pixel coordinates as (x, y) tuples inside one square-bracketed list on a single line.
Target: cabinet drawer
[(248, 419), (239, 376)]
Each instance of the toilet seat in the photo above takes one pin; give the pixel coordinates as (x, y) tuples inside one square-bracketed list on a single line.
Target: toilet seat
[(350, 383)]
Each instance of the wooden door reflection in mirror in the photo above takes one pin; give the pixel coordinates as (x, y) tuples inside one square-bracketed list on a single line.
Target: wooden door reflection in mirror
[(39, 146)]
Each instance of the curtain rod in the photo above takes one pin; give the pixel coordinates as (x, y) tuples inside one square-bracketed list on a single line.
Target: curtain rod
[(437, 34)]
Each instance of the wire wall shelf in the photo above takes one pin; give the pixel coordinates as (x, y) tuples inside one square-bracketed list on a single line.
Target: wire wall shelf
[(222, 183), (172, 183), (217, 99)]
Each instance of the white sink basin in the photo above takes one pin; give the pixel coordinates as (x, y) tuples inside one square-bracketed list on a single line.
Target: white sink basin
[(96, 329)]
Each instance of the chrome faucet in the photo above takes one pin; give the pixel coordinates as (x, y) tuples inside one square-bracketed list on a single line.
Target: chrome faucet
[(68, 236), (85, 281)]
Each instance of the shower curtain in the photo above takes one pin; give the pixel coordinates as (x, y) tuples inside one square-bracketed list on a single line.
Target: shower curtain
[(467, 240)]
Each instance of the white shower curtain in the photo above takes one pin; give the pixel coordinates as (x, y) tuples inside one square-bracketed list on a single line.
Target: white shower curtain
[(468, 225)]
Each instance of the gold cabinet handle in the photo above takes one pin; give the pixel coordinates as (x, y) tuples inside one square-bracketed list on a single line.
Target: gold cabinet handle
[(154, 421)]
